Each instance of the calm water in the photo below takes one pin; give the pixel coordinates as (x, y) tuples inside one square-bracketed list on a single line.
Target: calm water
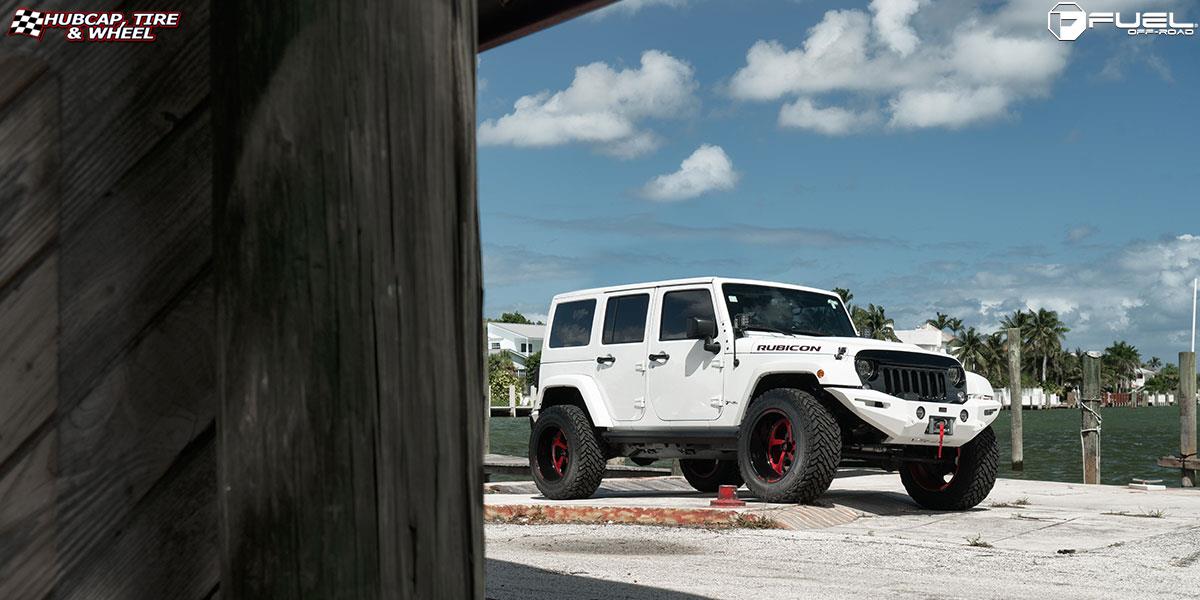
[(1131, 442)]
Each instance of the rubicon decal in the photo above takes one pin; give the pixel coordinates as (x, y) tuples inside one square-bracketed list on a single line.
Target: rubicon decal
[(786, 348), (85, 26)]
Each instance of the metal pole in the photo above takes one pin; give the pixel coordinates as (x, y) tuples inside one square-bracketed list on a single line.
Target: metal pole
[(1187, 414), (1089, 429), (1014, 388)]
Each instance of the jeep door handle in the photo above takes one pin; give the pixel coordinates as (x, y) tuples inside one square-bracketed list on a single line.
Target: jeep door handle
[(606, 359), (663, 356)]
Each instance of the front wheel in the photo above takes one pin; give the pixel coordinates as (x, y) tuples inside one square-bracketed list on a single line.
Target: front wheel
[(959, 483), (708, 475), (564, 454), (789, 446)]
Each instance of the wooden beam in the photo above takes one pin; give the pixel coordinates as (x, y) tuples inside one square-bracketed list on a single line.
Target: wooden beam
[(348, 299), (502, 21), (1016, 403)]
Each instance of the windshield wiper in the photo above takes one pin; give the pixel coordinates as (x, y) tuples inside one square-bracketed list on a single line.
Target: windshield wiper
[(758, 327), (809, 332)]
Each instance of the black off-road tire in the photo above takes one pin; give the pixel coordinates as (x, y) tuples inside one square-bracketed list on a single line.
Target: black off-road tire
[(707, 475), (584, 465), (978, 462), (816, 447)]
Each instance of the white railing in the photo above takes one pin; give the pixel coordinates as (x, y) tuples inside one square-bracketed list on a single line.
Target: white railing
[(1037, 398)]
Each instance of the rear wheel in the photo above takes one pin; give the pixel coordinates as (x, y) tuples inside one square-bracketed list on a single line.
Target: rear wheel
[(789, 446), (708, 475), (564, 454), (959, 483)]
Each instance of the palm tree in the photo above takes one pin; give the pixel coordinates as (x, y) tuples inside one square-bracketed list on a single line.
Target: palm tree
[(997, 347), (1123, 360), (944, 321), (1154, 364), (1045, 335), (845, 294), (872, 322), (973, 350)]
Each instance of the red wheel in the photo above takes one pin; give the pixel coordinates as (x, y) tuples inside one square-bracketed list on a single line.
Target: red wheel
[(934, 477), (789, 446), (553, 453), (772, 446), (565, 454), (956, 484)]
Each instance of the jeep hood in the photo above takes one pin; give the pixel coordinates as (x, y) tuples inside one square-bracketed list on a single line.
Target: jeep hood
[(767, 342)]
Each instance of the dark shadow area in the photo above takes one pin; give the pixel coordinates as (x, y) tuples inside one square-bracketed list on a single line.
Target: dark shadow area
[(511, 581)]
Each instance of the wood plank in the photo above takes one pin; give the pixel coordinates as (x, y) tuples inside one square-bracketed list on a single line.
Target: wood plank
[(142, 245), (18, 72), (28, 355), (28, 518), (167, 547), (120, 100), (349, 443), (1174, 462), (124, 435), (29, 133)]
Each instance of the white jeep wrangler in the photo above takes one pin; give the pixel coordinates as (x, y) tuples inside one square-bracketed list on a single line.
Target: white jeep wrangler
[(753, 382)]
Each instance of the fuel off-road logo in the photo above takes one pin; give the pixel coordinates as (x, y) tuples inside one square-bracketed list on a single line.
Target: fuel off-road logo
[(1067, 21), (83, 26)]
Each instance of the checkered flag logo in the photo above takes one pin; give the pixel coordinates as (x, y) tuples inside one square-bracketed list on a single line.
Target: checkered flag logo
[(26, 22)]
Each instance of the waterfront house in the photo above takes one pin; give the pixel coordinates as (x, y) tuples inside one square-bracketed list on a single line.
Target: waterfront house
[(518, 340)]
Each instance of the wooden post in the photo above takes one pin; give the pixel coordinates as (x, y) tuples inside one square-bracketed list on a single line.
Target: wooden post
[(1089, 430), (1014, 388), (349, 445), (487, 419), (512, 400), (1187, 413)]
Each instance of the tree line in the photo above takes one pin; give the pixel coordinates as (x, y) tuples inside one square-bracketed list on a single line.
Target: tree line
[(1045, 362)]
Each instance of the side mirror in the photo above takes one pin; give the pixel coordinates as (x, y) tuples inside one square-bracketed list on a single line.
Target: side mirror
[(704, 329)]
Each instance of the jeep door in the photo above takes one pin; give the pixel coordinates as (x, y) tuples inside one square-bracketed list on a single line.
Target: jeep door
[(621, 355), (684, 378)]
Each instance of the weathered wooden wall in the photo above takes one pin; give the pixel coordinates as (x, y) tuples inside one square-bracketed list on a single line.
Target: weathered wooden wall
[(107, 368), (349, 300)]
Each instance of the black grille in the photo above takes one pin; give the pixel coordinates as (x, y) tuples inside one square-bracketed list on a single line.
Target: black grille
[(914, 384)]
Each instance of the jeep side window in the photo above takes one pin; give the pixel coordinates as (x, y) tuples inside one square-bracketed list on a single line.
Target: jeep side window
[(678, 307), (572, 324), (625, 319)]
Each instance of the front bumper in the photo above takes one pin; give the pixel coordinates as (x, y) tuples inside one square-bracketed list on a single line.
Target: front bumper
[(897, 417)]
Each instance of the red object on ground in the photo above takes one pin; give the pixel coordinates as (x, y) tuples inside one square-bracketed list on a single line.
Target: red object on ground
[(727, 497), (941, 433)]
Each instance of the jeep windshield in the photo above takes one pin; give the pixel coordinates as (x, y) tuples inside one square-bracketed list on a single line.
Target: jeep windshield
[(785, 310)]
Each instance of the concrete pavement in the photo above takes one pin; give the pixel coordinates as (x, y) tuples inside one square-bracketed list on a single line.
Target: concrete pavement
[(1028, 539)]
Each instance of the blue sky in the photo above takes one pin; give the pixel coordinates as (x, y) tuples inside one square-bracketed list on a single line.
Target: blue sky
[(928, 155)]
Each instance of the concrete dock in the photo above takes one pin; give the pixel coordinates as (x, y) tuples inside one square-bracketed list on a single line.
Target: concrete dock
[(865, 539)]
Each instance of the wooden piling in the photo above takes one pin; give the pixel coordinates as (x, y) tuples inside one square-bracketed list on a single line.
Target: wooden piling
[(1014, 388), (1187, 414), (487, 419), (1089, 428), (348, 445), (512, 400)]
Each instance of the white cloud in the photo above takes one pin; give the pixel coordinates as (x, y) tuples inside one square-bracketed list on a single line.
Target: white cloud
[(1080, 233), (927, 63), (952, 107), (803, 114), (707, 169), (891, 22), (1140, 292), (602, 106)]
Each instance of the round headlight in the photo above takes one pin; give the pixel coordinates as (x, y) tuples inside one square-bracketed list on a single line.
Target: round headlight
[(956, 376), (865, 368)]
